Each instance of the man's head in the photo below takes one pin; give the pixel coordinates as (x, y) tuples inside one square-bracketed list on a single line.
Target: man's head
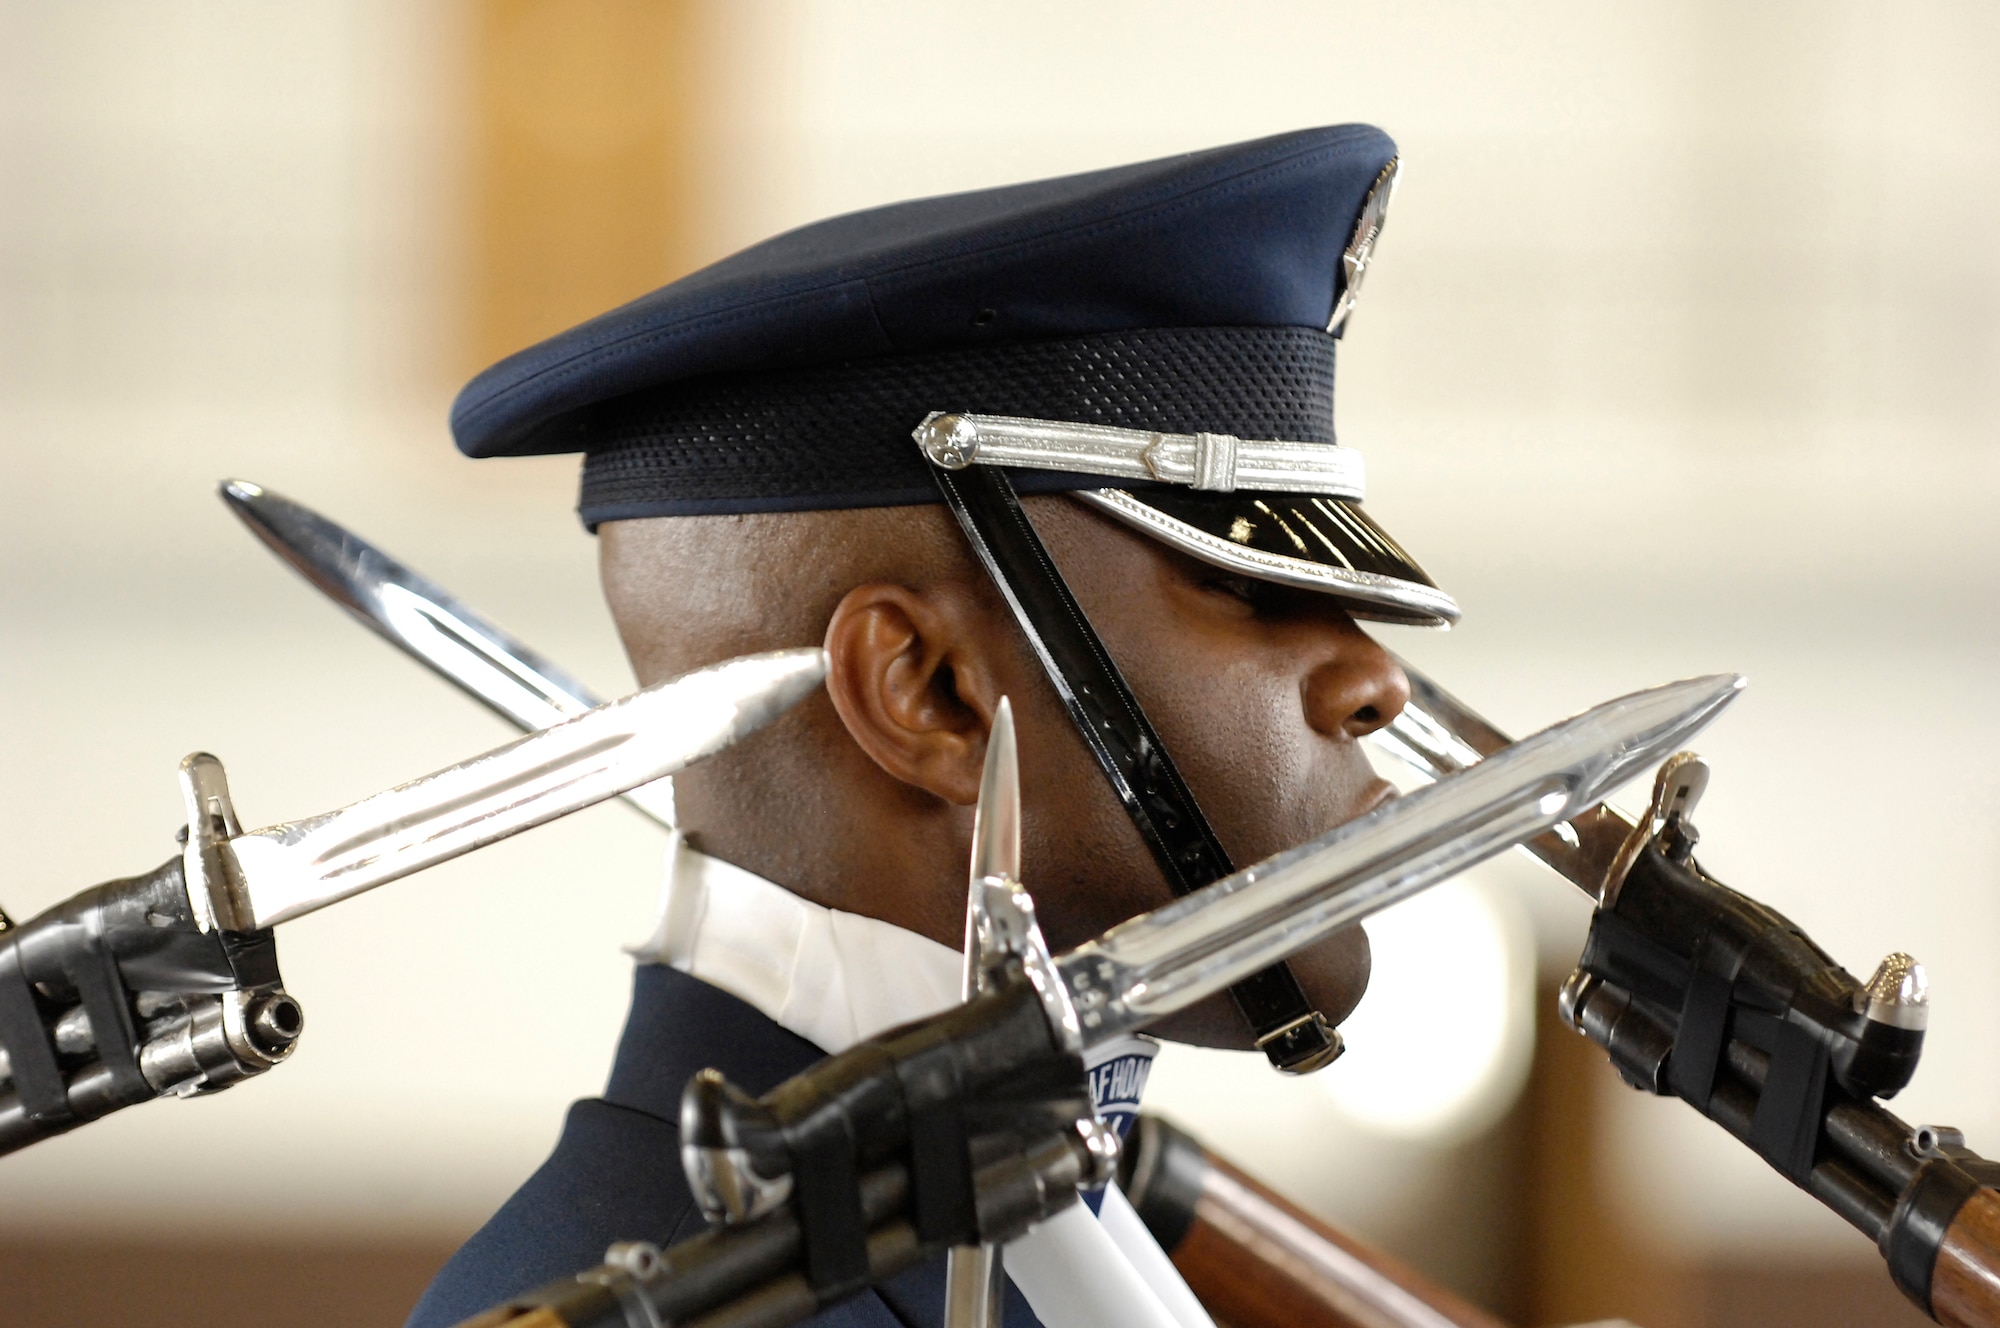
[(1151, 350), (861, 799)]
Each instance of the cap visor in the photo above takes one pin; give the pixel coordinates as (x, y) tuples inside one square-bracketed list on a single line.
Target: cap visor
[(1305, 540)]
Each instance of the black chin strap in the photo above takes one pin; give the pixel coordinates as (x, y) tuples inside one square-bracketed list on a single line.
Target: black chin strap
[(1295, 1036)]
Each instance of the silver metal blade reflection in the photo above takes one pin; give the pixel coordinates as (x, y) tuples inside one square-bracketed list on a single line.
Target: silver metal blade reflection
[(996, 824), (1196, 946), (1438, 735), (292, 869), (424, 620)]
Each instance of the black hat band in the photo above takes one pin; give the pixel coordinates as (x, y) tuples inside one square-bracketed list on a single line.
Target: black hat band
[(838, 435)]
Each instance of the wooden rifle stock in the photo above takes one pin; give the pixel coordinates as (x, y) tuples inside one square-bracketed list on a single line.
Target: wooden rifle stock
[(1256, 1260), (1965, 1282)]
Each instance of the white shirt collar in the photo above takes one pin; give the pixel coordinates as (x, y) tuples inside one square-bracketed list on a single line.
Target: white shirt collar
[(833, 978)]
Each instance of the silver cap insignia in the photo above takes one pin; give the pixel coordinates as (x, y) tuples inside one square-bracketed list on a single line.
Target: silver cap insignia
[(1360, 249)]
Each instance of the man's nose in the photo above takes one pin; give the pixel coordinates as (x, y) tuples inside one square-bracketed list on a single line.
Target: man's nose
[(1357, 689)]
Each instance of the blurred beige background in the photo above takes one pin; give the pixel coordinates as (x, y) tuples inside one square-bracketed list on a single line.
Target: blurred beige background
[(1683, 354)]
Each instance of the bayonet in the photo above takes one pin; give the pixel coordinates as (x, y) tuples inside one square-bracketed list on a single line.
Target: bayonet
[(993, 922)]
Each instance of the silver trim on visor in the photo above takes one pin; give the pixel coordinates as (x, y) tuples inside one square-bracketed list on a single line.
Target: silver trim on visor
[(1215, 462), (1403, 601)]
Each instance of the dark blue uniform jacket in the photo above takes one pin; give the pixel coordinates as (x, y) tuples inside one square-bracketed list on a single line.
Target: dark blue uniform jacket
[(616, 1171)]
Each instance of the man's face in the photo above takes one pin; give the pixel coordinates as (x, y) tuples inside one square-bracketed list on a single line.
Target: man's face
[(1260, 693)]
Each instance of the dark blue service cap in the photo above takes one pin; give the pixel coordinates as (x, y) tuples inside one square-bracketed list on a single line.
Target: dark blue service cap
[(1197, 294)]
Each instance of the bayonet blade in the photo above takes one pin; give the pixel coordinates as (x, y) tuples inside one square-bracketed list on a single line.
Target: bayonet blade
[(289, 870), (1198, 945), (424, 620), (1438, 735), (996, 823)]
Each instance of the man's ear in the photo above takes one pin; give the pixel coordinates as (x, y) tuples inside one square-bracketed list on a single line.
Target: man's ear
[(910, 681)]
